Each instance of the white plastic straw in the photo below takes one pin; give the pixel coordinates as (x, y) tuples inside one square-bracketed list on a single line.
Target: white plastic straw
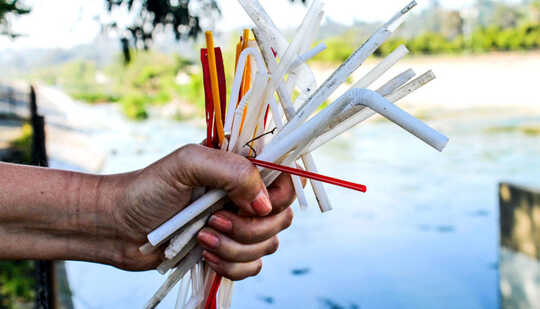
[(284, 97), (365, 113), (381, 67), (297, 182), (168, 264), (164, 231), (237, 83), (343, 72), (193, 257), (305, 79), (308, 55)]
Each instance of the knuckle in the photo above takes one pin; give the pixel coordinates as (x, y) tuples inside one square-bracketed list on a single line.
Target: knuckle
[(236, 276), (189, 149), (274, 245), (234, 255), (290, 195), (246, 172), (258, 267), (289, 216)]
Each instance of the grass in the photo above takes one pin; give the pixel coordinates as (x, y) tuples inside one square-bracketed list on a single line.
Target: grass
[(22, 146)]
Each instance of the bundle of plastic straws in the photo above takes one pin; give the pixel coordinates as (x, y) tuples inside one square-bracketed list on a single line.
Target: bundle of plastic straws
[(261, 121)]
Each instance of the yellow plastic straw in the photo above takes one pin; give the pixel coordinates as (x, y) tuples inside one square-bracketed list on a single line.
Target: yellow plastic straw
[(238, 52), (215, 85)]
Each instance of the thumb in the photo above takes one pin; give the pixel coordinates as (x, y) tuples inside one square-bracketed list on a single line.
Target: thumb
[(203, 166)]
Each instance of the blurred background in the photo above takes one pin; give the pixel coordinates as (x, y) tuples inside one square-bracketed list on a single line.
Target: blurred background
[(118, 85)]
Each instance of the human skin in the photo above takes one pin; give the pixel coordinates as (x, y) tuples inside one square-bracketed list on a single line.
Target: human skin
[(60, 215)]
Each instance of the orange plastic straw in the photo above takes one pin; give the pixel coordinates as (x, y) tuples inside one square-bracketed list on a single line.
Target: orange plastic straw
[(215, 85), (247, 71)]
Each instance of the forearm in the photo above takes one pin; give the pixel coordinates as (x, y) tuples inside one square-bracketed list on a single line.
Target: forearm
[(51, 214)]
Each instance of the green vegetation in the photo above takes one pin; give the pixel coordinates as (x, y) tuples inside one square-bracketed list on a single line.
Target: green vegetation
[(530, 130), (16, 283), (525, 37), (493, 38), (22, 146), (9, 8), (151, 78)]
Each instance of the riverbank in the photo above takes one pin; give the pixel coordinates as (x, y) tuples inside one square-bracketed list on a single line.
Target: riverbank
[(464, 81)]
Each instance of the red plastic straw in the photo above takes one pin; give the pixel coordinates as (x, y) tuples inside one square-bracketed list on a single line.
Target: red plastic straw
[(211, 302), (209, 105), (310, 175)]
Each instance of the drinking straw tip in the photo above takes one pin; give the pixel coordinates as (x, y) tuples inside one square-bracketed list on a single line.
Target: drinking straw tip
[(443, 145), (409, 7)]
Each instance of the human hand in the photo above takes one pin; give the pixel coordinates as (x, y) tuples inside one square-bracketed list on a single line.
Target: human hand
[(234, 243)]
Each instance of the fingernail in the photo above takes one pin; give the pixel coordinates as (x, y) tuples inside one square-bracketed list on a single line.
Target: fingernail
[(261, 205), (209, 240), (210, 258), (220, 223)]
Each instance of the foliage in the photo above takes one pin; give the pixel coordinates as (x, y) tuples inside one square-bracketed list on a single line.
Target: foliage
[(183, 17), (134, 106), (10, 7), (338, 50), (524, 37), (16, 283), (22, 146)]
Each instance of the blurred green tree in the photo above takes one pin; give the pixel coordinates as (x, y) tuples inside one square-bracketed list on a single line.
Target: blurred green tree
[(184, 17), (10, 8)]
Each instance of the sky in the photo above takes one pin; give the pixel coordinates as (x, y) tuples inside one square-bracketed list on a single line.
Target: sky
[(75, 23)]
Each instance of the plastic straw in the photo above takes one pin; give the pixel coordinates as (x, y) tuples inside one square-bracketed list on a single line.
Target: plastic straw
[(382, 67), (215, 85), (193, 257), (343, 72), (365, 114), (306, 174)]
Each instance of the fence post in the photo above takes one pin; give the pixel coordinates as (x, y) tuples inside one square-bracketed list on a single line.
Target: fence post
[(45, 281)]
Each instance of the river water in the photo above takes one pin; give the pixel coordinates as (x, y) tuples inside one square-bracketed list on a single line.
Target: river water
[(425, 235)]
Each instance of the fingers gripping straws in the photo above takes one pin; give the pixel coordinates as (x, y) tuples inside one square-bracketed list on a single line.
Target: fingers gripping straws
[(260, 75)]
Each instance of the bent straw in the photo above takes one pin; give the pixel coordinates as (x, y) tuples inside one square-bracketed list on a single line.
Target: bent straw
[(191, 259), (284, 96), (344, 71), (306, 174), (215, 85), (365, 114), (384, 90), (379, 104)]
